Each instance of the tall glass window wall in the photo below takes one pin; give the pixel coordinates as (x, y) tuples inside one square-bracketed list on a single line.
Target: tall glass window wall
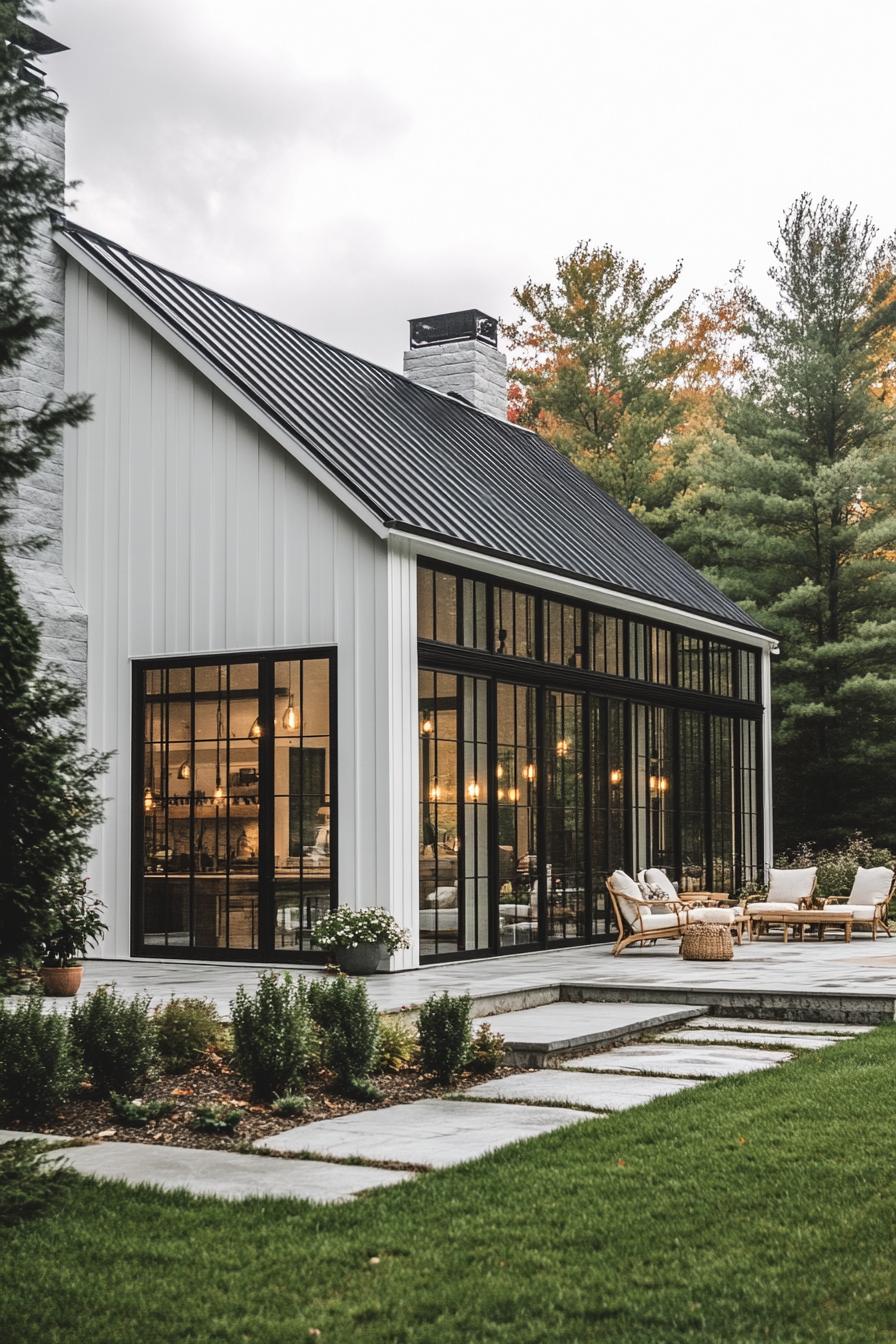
[(234, 851), (559, 741)]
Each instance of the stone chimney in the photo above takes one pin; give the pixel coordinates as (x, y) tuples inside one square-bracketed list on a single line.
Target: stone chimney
[(47, 594), (458, 353)]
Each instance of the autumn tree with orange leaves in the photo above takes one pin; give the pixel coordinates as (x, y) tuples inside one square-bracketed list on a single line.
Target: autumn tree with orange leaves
[(612, 369)]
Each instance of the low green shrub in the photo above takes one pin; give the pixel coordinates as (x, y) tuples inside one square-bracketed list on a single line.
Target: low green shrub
[(272, 1035), (30, 1183), (38, 1069), (136, 1114), (291, 1104), (486, 1049), (837, 866), (443, 1025), (185, 1028), (216, 1119), (115, 1039), (349, 1023), (397, 1046)]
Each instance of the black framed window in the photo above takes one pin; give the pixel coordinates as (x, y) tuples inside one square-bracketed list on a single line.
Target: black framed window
[(234, 847), (557, 780)]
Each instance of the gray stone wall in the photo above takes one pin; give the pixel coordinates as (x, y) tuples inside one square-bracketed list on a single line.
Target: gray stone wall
[(46, 592), (473, 368)]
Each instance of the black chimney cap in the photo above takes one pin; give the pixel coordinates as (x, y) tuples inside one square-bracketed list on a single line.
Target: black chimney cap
[(468, 325)]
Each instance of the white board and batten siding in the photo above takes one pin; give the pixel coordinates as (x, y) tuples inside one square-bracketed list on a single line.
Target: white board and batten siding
[(189, 531)]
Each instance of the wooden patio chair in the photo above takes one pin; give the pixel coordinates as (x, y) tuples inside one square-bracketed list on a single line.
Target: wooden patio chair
[(638, 919), (869, 900), (789, 890), (694, 911)]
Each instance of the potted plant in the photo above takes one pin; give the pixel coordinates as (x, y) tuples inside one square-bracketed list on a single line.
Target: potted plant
[(76, 926), (359, 939)]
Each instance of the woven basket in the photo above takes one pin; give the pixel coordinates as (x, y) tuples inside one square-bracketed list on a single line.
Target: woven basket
[(707, 942)]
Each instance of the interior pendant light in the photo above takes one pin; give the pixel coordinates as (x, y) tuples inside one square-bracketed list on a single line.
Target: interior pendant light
[(254, 732), (149, 802), (291, 718), (184, 771), (473, 791)]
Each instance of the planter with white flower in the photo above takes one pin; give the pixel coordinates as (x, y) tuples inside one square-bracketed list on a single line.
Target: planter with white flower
[(359, 939)]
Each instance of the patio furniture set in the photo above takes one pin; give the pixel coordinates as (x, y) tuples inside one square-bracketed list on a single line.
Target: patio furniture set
[(651, 908)]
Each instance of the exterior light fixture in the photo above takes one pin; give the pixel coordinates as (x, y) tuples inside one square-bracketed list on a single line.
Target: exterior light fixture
[(499, 772), (254, 732), (662, 784), (426, 727), (513, 795), (435, 791), (473, 791), (290, 718), (529, 772), (615, 777), (501, 795), (149, 802), (563, 747)]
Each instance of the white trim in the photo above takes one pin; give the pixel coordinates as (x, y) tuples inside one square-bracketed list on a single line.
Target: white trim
[(265, 422), (581, 589), (765, 678)]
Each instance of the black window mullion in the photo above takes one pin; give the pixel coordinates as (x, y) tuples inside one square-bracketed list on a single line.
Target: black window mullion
[(267, 904)]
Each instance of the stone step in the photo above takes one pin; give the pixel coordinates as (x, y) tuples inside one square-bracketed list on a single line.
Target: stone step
[(682, 1061), (208, 1171), (437, 1133), (567, 1087), (709, 1036), (537, 1036), (789, 1028)]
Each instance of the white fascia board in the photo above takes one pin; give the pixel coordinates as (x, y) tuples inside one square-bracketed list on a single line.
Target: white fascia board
[(583, 591), (265, 422)]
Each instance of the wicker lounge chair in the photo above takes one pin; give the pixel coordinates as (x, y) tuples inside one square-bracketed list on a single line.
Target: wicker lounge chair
[(640, 920), (654, 881), (789, 889), (869, 900)]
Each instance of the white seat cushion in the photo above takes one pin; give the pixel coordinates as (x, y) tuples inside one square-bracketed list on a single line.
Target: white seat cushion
[(870, 886), (443, 897), (658, 922), (771, 907), (791, 885), (858, 912), (711, 914)]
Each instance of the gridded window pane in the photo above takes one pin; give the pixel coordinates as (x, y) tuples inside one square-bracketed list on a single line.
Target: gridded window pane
[(652, 787), (514, 623), (476, 802), (721, 668), (564, 788), (446, 607), (721, 808), (689, 655), (516, 796), (607, 644), (607, 801), (692, 786), (650, 653), (426, 603), (475, 614), (440, 841), (562, 634), (749, 802), (747, 679), (206, 837)]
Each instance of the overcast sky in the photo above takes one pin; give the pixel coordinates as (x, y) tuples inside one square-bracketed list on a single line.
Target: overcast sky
[(347, 166)]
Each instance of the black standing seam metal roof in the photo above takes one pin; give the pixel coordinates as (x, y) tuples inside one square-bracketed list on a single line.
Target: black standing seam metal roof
[(424, 463)]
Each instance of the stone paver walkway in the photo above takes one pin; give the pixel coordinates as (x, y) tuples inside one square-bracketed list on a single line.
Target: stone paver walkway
[(206, 1171), (709, 1036), (602, 1092), (682, 1061), (438, 1133), (557, 1027), (760, 1025)]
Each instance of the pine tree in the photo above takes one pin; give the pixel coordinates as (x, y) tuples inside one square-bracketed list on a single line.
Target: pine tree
[(48, 781), (792, 509), (598, 356)]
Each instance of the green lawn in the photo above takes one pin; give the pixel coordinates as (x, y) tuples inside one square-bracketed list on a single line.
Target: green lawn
[(760, 1208)]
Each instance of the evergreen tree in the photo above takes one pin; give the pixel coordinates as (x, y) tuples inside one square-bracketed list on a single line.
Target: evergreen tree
[(792, 510), (598, 359), (48, 794)]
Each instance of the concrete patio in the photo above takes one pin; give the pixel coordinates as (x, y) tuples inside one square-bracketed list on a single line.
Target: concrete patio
[(769, 968)]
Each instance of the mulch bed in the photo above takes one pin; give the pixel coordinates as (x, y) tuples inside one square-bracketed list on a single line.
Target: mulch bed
[(213, 1083)]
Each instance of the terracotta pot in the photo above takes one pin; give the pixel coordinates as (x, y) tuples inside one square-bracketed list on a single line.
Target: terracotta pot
[(61, 982), (361, 960)]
